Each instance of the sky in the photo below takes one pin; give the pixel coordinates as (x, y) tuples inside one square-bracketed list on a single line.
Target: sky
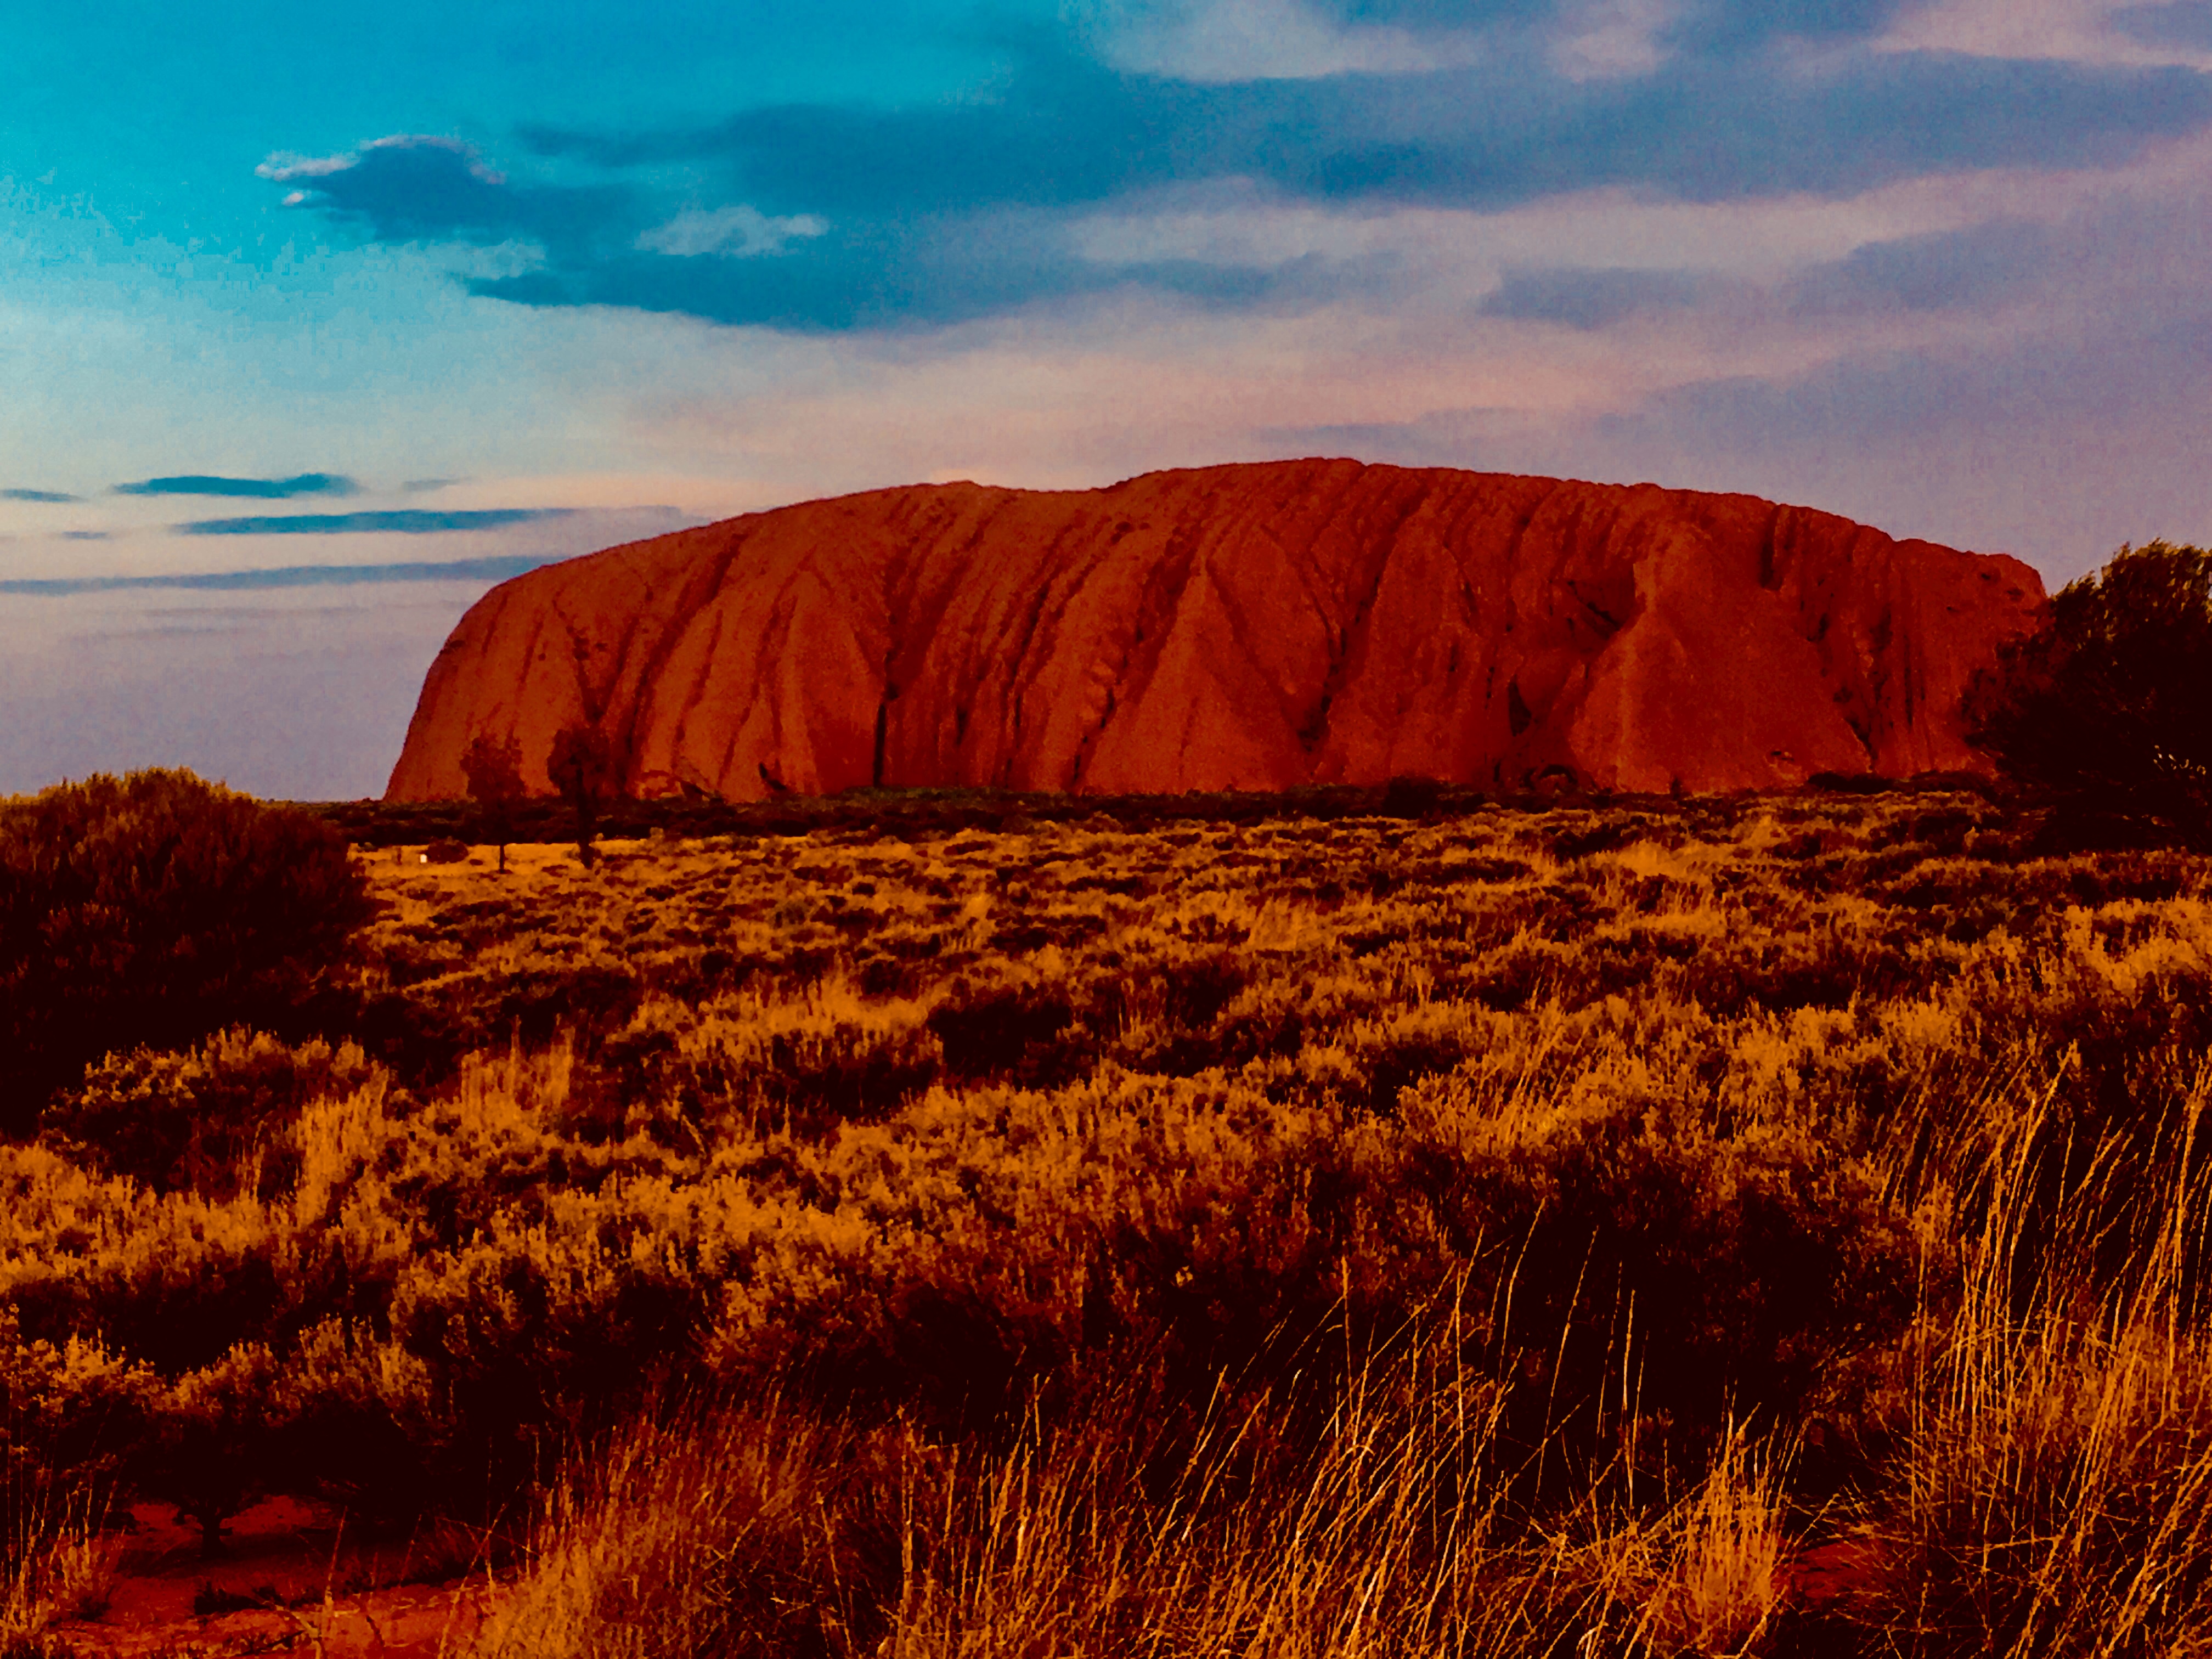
[(316, 322)]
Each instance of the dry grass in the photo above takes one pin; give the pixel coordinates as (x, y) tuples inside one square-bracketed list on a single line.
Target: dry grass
[(731, 1534), (1522, 1233), (54, 1565), (2053, 1490)]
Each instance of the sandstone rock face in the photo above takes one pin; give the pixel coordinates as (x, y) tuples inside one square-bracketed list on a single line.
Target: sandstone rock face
[(1248, 627)]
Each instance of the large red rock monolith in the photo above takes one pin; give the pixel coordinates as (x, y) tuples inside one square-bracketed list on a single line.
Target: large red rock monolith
[(1248, 627)]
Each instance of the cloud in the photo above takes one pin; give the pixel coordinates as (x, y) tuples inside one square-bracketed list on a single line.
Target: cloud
[(2122, 372), (1944, 271), (2184, 23), (1608, 39), (1732, 27), (413, 188), (87, 535), (405, 523), (873, 274), (305, 483), (1230, 40), (1740, 26), (739, 232), (1594, 299), (820, 218), (1070, 132), (36, 495), (497, 567), (1426, 16), (2078, 31)]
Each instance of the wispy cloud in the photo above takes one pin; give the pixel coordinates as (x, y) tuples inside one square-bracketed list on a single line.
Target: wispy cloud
[(402, 522), (2081, 31), (1230, 40), (1611, 39), (497, 567), (304, 483), (1588, 299), (1944, 271), (1740, 27), (87, 535), (739, 232), (36, 495), (2185, 23)]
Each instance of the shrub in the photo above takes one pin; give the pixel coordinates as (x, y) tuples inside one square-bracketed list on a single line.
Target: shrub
[(204, 1119), (812, 1064), (73, 1406), (153, 909)]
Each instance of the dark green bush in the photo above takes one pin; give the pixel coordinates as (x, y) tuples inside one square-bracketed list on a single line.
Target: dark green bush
[(154, 910)]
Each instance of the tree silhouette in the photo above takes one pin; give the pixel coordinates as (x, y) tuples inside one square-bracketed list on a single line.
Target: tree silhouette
[(493, 767), (2109, 708), (582, 767)]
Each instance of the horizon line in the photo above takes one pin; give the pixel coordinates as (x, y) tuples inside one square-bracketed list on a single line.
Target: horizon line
[(498, 566)]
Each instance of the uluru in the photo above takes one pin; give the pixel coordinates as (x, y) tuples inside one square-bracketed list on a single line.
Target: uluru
[(1253, 626)]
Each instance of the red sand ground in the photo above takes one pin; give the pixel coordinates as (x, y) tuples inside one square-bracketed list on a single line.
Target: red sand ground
[(323, 1595), (319, 1593)]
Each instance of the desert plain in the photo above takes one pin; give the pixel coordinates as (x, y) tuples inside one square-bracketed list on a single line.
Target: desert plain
[(1390, 1220)]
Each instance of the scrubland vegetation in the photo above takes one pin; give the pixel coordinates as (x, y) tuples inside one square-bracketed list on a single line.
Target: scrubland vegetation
[(1768, 1225)]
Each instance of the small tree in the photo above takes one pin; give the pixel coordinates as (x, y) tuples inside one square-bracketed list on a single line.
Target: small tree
[(493, 767), (582, 769), (2109, 708), (216, 1430)]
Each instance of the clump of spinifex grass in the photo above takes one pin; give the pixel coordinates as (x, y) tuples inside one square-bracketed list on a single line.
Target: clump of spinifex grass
[(2052, 1491), (53, 1564), (1383, 1527), (738, 1531)]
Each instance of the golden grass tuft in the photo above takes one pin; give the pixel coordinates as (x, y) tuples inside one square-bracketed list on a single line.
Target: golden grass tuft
[(55, 1565)]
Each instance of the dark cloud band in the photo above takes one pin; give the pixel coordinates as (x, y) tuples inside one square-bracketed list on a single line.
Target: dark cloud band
[(36, 495), (305, 483), (400, 523), (497, 567)]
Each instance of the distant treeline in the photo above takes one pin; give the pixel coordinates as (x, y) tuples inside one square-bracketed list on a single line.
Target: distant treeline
[(928, 812)]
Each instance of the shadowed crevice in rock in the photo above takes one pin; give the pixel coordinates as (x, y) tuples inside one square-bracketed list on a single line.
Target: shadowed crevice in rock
[(1251, 627)]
